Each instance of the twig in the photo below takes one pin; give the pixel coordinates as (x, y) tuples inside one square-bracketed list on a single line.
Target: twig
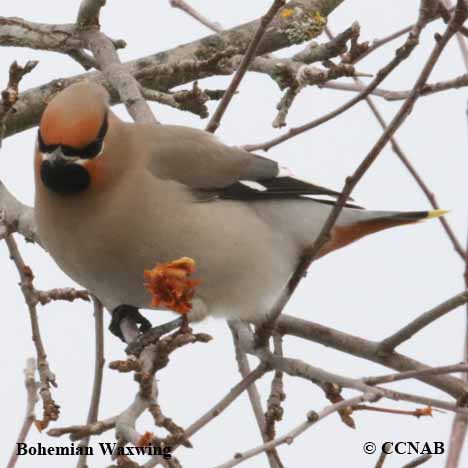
[(388, 95), (10, 93), (389, 378), (254, 396), (459, 17), (309, 75), (61, 294), (312, 418), (275, 411), (104, 51), (298, 368), (428, 11), (417, 413), (99, 361), (319, 52), (401, 54), (418, 461), (460, 423), (88, 13), (17, 216), (366, 349), (216, 27), (177, 433), (425, 319), (217, 409), (411, 169), (31, 390), (118, 76), (47, 378), (80, 432), (312, 53), (419, 180), (381, 460), (231, 42), (377, 43), (215, 120), (193, 100)]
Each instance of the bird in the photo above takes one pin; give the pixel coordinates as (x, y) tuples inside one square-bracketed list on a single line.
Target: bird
[(114, 198)]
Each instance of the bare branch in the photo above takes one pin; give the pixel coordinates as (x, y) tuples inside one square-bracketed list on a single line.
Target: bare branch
[(215, 120), (11, 92), (319, 52), (31, 390), (390, 343), (312, 418), (381, 460), (61, 38), (99, 361), (274, 411), (428, 11), (366, 349), (218, 408), (88, 14), (118, 76), (61, 294), (47, 378), (193, 100), (254, 396), (459, 17), (80, 432), (418, 461), (460, 423), (416, 374), (409, 166), (184, 6), (388, 95), (401, 55), (17, 216), (163, 71)]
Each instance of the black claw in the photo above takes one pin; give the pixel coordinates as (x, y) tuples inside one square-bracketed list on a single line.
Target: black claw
[(125, 311)]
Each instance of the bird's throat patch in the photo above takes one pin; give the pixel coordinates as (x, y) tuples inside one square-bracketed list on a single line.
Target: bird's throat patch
[(65, 178)]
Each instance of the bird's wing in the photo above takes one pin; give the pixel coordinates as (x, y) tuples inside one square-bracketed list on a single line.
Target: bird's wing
[(200, 161)]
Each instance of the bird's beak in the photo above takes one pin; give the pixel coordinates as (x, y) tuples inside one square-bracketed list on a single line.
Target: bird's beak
[(56, 157)]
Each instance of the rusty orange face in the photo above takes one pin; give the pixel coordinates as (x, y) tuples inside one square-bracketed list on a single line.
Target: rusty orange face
[(71, 138)]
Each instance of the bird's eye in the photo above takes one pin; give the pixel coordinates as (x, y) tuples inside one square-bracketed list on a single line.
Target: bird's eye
[(91, 150), (87, 152), (43, 148)]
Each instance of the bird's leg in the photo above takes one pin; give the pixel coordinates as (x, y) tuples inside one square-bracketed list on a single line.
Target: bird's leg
[(128, 312), (184, 325)]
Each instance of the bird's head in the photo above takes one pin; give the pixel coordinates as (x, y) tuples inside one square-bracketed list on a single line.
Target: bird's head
[(72, 137)]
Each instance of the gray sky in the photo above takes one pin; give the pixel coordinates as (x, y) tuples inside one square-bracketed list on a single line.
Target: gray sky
[(369, 289)]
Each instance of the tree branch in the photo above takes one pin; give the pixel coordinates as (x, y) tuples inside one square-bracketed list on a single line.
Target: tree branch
[(366, 349), (163, 71), (390, 343), (184, 6), (99, 361), (215, 120), (311, 419), (31, 391), (47, 378)]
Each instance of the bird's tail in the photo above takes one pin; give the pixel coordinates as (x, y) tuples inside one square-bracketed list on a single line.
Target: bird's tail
[(371, 222), (408, 217)]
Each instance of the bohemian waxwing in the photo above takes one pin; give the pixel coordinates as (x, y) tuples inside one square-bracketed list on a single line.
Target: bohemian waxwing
[(113, 198)]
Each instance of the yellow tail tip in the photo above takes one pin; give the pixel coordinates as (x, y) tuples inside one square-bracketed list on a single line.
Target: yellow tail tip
[(436, 214)]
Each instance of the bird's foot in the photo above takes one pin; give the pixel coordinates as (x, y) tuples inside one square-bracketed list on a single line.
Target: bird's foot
[(128, 312), (153, 335)]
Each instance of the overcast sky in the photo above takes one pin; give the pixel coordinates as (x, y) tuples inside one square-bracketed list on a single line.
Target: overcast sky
[(369, 289)]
